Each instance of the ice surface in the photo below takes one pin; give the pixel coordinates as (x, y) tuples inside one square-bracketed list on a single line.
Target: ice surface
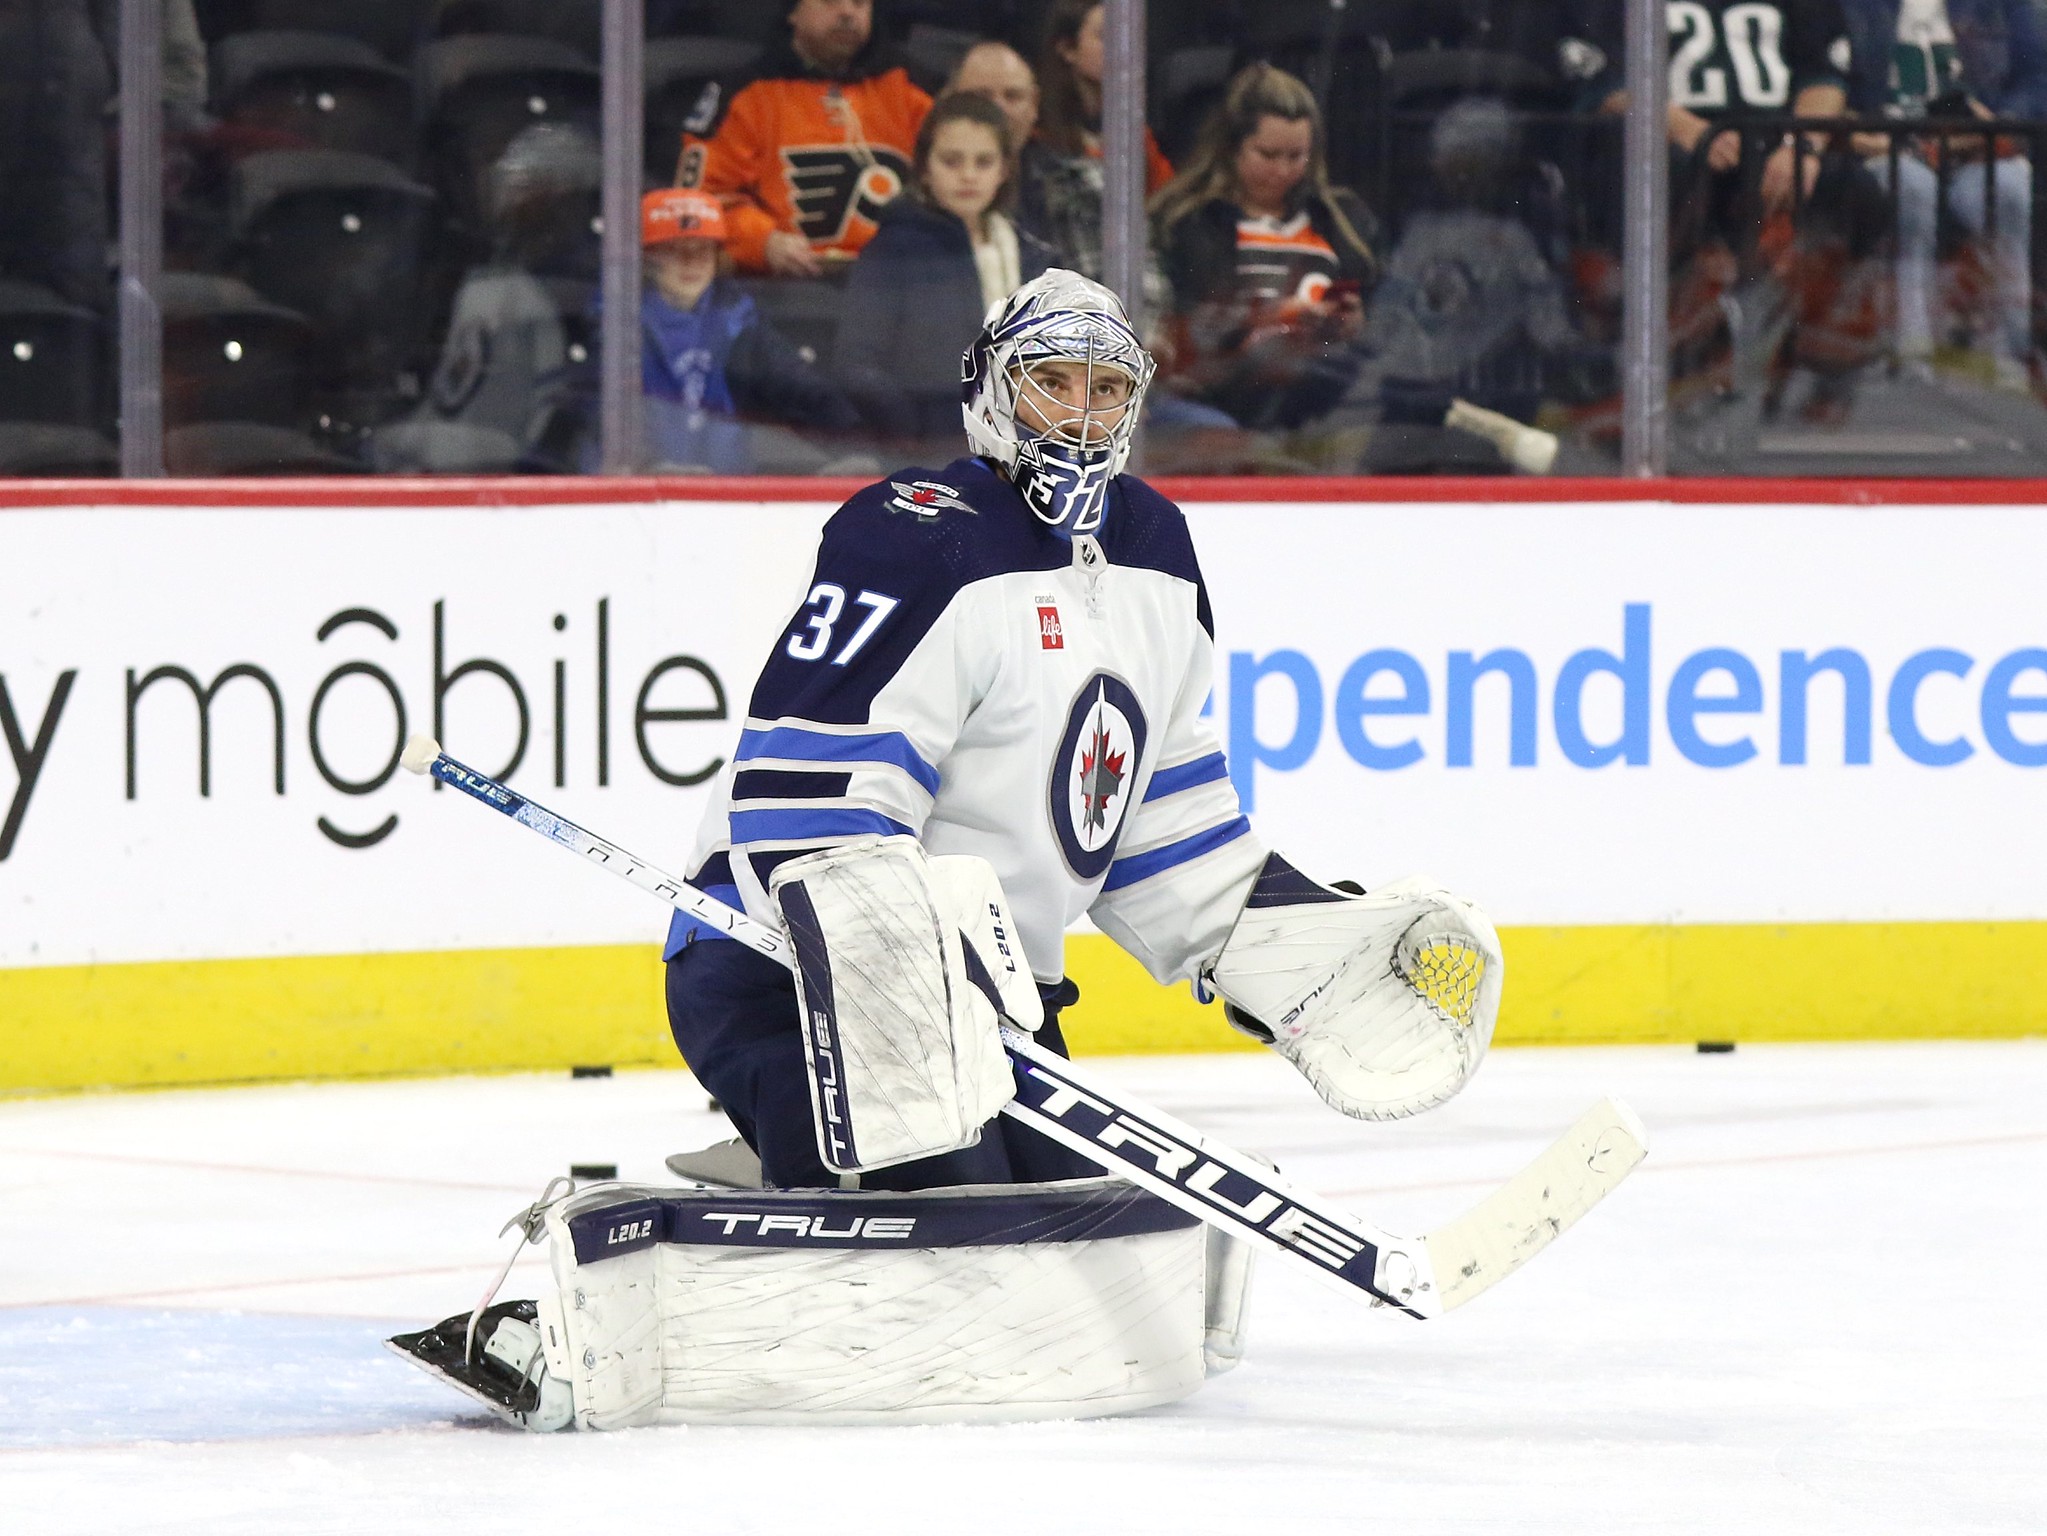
[(1817, 1308)]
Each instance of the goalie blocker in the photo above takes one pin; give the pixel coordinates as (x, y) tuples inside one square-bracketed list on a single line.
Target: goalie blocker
[(1080, 1298)]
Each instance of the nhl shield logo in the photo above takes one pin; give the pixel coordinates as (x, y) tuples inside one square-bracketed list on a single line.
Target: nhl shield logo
[(1093, 771)]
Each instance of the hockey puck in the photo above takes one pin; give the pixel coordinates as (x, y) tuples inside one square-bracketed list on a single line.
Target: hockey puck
[(1716, 1047), (593, 1170), (589, 1071), (714, 1107)]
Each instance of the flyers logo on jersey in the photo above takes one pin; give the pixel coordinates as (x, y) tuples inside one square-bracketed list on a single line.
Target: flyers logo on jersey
[(832, 184)]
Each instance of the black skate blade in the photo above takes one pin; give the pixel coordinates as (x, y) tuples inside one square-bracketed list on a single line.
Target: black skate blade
[(439, 1352)]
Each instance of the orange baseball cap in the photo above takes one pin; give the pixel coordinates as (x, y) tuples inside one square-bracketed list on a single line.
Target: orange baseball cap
[(680, 213)]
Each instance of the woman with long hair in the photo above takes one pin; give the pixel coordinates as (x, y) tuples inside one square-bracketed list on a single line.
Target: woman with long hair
[(1269, 262)]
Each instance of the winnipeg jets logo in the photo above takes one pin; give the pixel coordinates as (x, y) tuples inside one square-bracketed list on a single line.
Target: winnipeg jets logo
[(1092, 772), (925, 498), (1101, 777)]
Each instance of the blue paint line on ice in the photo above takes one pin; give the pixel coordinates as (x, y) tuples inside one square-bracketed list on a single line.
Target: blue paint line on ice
[(87, 1376)]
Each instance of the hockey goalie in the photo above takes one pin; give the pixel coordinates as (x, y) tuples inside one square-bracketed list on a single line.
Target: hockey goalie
[(983, 722)]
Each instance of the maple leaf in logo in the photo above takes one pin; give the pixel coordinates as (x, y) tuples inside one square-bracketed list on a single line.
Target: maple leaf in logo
[(1101, 775)]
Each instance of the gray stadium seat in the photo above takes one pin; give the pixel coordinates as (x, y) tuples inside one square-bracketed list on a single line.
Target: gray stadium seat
[(338, 238), (392, 27), (248, 448), (50, 357), (51, 450), (314, 90), (231, 355)]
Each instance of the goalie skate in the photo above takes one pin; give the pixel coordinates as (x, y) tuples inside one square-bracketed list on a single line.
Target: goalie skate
[(508, 1372)]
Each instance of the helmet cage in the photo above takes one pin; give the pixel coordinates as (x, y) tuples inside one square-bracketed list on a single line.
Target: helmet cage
[(1063, 473)]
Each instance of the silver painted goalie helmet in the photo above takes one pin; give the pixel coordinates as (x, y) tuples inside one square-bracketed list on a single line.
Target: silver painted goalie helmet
[(1060, 453)]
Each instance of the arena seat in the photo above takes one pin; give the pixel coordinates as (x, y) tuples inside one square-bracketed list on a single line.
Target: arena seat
[(231, 355), (804, 310), (50, 357), (314, 90), (48, 448), (478, 91), (1187, 85), (338, 238), (744, 20), (392, 27), (441, 448), (578, 23), (248, 448), (932, 53)]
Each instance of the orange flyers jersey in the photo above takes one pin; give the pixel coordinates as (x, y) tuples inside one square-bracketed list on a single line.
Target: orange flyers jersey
[(1284, 259), (816, 157)]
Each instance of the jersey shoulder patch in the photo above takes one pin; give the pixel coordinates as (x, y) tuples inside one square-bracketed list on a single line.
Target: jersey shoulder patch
[(927, 498), (942, 527)]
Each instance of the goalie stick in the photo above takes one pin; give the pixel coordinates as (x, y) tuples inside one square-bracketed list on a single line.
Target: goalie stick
[(1422, 1276)]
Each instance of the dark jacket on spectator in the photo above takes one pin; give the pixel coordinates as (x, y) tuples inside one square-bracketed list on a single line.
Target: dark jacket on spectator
[(2000, 44), (913, 306)]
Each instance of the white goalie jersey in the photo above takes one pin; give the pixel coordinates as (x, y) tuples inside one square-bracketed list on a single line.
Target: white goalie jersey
[(960, 673)]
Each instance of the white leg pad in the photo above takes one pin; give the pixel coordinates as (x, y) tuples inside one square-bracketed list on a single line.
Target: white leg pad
[(985, 1305), (1227, 1307)]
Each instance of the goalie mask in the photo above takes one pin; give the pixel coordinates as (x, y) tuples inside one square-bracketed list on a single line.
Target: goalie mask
[(1060, 432)]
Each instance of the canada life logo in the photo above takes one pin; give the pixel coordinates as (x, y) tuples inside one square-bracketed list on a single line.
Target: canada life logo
[(1051, 637)]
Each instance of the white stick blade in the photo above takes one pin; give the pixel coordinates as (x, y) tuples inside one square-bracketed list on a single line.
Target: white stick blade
[(1531, 1210), (420, 753)]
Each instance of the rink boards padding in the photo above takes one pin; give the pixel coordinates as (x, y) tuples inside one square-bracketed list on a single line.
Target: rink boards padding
[(189, 1022), (1724, 760)]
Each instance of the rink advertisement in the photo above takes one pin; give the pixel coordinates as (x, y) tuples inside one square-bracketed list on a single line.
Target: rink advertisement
[(1719, 771)]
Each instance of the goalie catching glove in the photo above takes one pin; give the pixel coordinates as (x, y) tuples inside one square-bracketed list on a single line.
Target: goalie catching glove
[(904, 965), (1385, 1002)]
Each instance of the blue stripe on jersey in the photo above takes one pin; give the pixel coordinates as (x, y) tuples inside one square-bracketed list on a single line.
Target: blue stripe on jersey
[(682, 928), (787, 741), (1170, 781), (785, 826), (1142, 866)]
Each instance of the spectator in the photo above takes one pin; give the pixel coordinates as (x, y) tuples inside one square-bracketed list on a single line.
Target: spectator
[(998, 71), (1268, 262), (1467, 308), (503, 393), (1966, 60), (1061, 192), (723, 387), (56, 77), (810, 146), (1732, 212), (945, 255)]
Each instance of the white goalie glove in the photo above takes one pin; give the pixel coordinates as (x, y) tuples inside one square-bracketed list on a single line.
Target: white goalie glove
[(1385, 1002), (904, 963)]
